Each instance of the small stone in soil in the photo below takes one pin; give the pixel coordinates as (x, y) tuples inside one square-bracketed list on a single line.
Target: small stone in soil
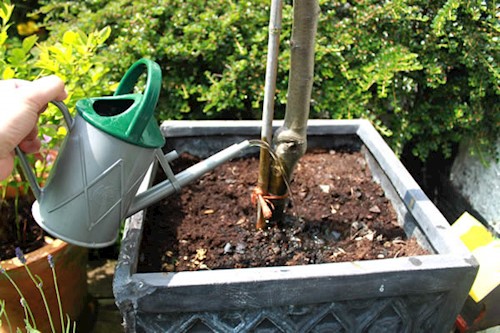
[(228, 248), (240, 248)]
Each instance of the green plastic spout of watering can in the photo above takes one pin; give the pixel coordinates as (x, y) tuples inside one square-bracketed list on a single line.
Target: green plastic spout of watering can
[(125, 115)]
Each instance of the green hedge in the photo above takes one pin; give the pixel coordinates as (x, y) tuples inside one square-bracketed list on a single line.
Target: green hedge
[(424, 72)]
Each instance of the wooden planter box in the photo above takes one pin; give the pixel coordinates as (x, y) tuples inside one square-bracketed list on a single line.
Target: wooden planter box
[(406, 294)]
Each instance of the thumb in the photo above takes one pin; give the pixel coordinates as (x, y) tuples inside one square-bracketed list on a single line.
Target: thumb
[(40, 92)]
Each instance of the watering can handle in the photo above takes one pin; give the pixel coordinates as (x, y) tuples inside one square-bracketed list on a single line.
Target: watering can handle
[(30, 175), (148, 102)]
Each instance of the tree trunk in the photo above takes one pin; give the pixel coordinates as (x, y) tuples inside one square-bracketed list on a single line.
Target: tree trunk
[(290, 140)]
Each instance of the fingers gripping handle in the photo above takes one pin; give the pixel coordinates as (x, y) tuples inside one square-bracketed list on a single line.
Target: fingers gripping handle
[(25, 165)]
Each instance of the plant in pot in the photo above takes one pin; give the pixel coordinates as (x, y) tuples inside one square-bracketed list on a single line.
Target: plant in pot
[(413, 293), (72, 58)]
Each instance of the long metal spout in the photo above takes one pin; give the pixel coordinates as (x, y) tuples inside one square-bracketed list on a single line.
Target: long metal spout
[(166, 188)]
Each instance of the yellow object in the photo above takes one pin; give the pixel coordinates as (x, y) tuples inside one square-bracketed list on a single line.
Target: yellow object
[(485, 248), (488, 276), (471, 232), (26, 29)]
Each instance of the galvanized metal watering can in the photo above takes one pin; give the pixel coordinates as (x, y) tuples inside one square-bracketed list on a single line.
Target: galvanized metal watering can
[(111, 144)]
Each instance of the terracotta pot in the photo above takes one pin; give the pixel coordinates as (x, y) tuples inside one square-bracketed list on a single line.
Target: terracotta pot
[(70, 264)]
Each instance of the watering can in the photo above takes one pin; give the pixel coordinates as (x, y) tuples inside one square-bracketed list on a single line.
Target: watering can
[(110, 146)]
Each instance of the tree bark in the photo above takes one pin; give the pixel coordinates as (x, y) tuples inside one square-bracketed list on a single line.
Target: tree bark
[(290, 140)]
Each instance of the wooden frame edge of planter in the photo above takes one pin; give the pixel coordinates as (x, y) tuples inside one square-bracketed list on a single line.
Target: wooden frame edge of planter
[(254, 287)]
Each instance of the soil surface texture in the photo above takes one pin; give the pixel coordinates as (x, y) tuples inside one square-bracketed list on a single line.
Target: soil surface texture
[(18, 228), (336, 213)]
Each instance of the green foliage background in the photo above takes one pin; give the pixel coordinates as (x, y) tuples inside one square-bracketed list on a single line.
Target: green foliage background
[(424, 72)]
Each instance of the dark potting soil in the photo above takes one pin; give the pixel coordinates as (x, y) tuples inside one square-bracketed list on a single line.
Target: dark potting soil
[(26, 234), (336, 213)]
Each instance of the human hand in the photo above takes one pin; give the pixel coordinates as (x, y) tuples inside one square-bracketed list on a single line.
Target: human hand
[(21, 104)]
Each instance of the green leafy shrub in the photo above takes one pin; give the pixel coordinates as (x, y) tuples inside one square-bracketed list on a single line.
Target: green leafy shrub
[(213, 53), (76, 61), (422, 72), (427, 71)]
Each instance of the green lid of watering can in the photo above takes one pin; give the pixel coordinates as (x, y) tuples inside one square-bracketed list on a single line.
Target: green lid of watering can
[(125, 115)]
